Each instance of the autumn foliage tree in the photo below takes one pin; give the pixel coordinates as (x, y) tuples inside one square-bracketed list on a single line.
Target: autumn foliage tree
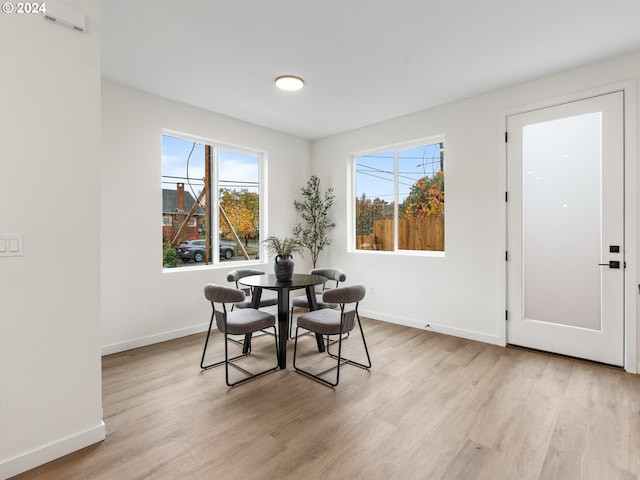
[(368, 210), (426, 197), (242, 208)]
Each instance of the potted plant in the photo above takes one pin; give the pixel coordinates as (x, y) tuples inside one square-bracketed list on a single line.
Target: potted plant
[(283, 249), (314, 209)]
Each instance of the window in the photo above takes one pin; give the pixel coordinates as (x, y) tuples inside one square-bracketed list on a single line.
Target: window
[(211, 201), (399, 198)]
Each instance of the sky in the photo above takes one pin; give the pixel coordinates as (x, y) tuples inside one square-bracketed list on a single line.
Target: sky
[(374, 172), (185, 158)]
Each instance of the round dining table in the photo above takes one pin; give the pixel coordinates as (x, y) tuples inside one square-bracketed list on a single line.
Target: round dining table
[(269, 282)]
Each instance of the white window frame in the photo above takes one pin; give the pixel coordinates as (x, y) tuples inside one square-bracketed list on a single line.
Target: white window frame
[(216, 146), (351, 213)]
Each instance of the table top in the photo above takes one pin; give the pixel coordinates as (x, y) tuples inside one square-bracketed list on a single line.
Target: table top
[(299, 280)]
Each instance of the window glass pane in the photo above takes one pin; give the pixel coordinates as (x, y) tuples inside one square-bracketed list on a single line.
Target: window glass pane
[(189, 173), (375, 201), (239, 205), (421, 198), (411, 177), (182, 182)]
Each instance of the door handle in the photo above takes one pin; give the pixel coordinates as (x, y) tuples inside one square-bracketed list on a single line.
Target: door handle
[(611, 264)]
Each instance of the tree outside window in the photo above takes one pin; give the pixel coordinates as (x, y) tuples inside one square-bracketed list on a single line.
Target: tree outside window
[(399, 202)]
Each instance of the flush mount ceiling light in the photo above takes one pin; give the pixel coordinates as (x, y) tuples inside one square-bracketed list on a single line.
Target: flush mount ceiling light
[(289, 83)]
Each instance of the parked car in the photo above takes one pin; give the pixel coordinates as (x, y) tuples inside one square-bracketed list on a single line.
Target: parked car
[(226, 251), (195, 250)]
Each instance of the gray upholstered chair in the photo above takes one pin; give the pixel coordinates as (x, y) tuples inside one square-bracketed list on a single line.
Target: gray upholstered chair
[(268, 297), (331, 274), (238, 322), (334, 322)]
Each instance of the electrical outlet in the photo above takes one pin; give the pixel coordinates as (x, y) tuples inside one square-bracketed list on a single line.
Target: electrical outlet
[(11, 245)]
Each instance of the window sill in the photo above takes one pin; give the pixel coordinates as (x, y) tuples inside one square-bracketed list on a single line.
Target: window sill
[(401, 253)]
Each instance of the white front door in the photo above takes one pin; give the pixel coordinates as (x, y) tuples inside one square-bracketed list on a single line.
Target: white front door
[(565, 229)]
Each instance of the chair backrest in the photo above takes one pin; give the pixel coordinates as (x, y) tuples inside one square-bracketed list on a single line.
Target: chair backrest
[(342, 295), (222, 295), (235, 275), (333, 274), (219, 294)]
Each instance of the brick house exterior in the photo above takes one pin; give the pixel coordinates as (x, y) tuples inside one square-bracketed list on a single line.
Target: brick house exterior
[(175, 206)]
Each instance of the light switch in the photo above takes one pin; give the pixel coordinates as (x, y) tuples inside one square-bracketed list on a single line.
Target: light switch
[(11, 245)]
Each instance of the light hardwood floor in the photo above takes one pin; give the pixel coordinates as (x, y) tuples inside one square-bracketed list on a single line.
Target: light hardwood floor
[(432, 407)]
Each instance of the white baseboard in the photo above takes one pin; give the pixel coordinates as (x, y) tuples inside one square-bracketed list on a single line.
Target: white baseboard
[(151, 339), (46, 453), (434, 327)]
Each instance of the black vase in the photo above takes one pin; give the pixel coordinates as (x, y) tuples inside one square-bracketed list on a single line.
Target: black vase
[(283, 268)]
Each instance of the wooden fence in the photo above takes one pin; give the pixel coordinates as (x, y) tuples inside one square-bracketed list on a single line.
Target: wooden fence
[(413, 234)]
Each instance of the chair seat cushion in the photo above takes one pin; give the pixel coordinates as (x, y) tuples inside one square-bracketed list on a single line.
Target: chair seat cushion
[(268, 298), (241, 322), (323, 321), (302, 302)]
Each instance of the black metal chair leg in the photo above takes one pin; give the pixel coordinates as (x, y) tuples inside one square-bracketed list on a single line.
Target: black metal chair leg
[(249, 375), (317, 376), (246, 347), (340, 360), (204, 350), (366, 349)]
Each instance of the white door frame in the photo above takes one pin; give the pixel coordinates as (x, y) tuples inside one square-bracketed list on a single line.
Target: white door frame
[(630, 214)]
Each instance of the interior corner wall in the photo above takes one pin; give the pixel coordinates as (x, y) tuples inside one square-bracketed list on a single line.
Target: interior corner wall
[(50, 365), (141, 303), (463, 293)]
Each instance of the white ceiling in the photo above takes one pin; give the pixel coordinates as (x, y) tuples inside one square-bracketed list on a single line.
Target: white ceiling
[(364, 61)]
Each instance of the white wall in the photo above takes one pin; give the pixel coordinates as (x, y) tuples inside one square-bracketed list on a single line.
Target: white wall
[(463, 293), (455, 294), (141, 304), (50, 377)]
